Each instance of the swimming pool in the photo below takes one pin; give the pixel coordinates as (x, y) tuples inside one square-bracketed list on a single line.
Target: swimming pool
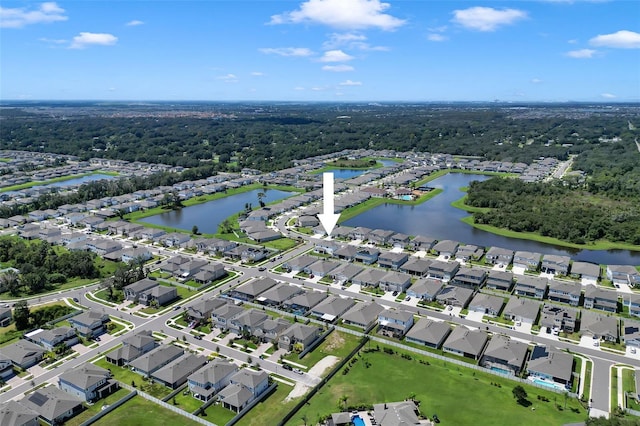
[(500, 370), (545, 383), (357, 421)]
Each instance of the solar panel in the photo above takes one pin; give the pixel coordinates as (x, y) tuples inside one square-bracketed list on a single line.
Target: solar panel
[(38, 399)]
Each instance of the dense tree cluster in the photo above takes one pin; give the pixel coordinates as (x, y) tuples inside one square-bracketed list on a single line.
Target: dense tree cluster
[(26, 319), (40, 266), (554, 210)]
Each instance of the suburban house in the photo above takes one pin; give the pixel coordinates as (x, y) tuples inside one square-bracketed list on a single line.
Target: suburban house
[(504, 355), (346, 252), (89, 323), (251, 290), (562, 291), (488, 304), (597, 298), (498, 256), (554, 264), (134, 291), (152, 361), (599, 326), (5, 317), (87, 382), (360, 233), (499, 280), (446, 248), (469, 277), (321, 268), (443, 270), (403, 413), (302, 303), (369, 277), (394, 323), (363, 315), (244, 386), (399, 240), (174, 239), (455, 296), (380, 236), (201, 311), (277, 295), (247, 322), (23, 353), (469, 252), (298, 336), (631, 333), (634, 305), (14, 413), (368, 256), (429, 333), (395, 281), (559, 318), (416, 266), (132, 347), (465, 342), (270, 329), (422, 243), (53, 405), (425, 289), (307, 221), (297, 264), (586, 271), (6, 368), (331, 308), (392, 260), (530, 286), (551, 364), (56, 336), (211, 379), (221, 317), (519, 309), (526, 260), (175, 374), (623, 274), (159, 295), (345, 272)]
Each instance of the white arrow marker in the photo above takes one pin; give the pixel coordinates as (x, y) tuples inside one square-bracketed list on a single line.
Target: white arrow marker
[(328, 218)]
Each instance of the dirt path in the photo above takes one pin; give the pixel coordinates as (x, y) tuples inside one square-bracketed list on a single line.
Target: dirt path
[(300, 389)]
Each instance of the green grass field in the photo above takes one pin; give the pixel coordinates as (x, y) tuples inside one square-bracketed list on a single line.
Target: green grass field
[(271, 410), (459, 396), (337, 344), (140, 412), (95, 408)]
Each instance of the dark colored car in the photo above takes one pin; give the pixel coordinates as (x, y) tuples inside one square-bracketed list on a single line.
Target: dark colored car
[(287, 367)]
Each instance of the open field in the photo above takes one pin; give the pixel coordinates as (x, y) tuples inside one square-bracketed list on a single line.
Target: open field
[(139, 412), (95, 408), (270, 410), (441, 388), (337, 344)]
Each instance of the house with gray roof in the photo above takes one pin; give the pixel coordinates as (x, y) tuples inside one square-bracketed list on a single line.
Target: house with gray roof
[(399, 240), (363, 315), (201, 311), (530, 286), (554, 264), (499, 280), (395, 281), (529, 261), (175, 374), (599, 326), (134, 291), (469, 277), (634, 305), (245, 386), (297, 264), (321, 268), (444, 271), (498, 255), (455, 296), (247, 322), (303, 302), (88, 382), (446, 248), (469, 252), (488, 304), (598, 298), (520, 309), (345, 272), (132, 347), (279, 294), (465, 342), (271, 329), (392, 260), (429, 333), (404, 413), (221, 317), (53, 405), (331, 308), (422, 243), (586, 270), (14, 413), (394, 322), (623, 274), (152, 361), (213, 377), (298, 335), (346, 252), (425, 289), (505, 355), (416, 266), (369, 277), (160, 295), (630, 333), (368, 256), (551, 364), (564, 292), (23, 353), (559, 318), (56, 336), (251, 290), (380, 236), (359, 233), (5, 316)]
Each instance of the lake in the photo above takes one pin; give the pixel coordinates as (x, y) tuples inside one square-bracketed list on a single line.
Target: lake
[(208, 216), (349, 173), (78, 181), (438, 219)]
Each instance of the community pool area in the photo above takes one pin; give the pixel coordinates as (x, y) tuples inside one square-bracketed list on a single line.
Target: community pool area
[(357, 421)]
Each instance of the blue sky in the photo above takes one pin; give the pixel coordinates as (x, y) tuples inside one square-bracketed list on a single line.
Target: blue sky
[(320, 50)]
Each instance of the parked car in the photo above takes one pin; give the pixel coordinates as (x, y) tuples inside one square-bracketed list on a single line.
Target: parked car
[(395, 293), (287, 367), (408, 298), (262, 269), (75, 299), (197, 337)]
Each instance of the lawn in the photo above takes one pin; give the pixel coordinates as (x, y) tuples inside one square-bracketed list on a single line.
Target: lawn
[(9, 334), (140, 412), (128, 377), (95, 408), (459, 396), (186, 402), (337, 344), (271, 410), (217, 414)]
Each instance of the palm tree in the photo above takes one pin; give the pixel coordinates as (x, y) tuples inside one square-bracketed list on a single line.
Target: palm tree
[(10, 281), (261, 196)]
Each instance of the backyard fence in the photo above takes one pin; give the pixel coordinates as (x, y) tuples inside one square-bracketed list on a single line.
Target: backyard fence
[(109, 409)]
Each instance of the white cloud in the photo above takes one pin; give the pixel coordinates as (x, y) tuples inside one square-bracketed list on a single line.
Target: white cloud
[(85, 39), (344, 14), (622, 40), (134, 23), (608, 96), (581, 53), (257, 74), (338, 68), (350, 40), (350, 83), (536, 81), (572, 41), (228, 78), (436, 37), (335, 56), (287, 51), (486, 18), (299, 88), (111, 89), (53, 40), (318, 89), (21, 17)]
